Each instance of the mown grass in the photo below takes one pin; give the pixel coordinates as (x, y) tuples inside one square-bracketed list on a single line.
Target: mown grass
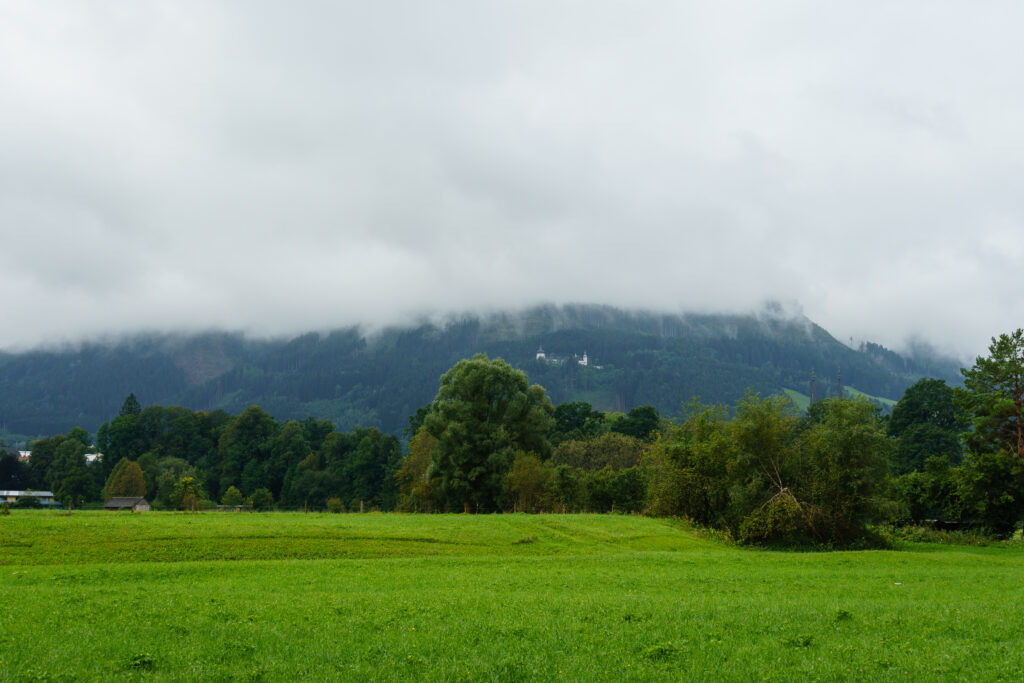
[(508, 597), (30, 537)]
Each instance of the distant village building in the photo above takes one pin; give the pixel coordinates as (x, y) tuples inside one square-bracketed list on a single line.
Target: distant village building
[(45, 498), (90, 458), (128, 503), (544, 357)]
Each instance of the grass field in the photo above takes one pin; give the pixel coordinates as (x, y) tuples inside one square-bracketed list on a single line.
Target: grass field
[(288, 596), (803, 401)]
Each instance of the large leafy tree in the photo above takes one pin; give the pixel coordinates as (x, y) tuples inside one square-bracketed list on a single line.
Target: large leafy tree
[(990, 485), (691, 465), (246, 442), (120, 439), (310, 484), (576, 421), (484, 412), (162, 474), (43, 453), (13, 473), (127, 479), (926, 422), (846, 461), (416, 492), (993, 395), (187, 494), (528, 483), (927, 401), (287, 448), (767, 467), (363, 462), (67, 476), (989, 491), (641, 423)]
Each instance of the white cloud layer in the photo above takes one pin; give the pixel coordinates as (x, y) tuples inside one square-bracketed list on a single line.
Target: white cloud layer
[(277, 168)]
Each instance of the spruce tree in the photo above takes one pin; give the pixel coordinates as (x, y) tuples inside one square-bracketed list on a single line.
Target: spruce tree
[(131, 406)]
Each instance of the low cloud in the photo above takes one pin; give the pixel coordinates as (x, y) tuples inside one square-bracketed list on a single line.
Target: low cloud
[(246, 166)]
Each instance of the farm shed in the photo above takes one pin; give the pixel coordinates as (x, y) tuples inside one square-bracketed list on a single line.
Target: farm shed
[(128, 503)]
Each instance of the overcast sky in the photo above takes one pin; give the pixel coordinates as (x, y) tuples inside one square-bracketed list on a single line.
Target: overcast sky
[(278, 167)]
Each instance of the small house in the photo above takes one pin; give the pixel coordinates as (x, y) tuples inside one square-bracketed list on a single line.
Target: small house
[(132, 503)]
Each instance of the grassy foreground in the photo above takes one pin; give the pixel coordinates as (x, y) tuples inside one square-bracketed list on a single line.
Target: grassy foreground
[(222, 596)]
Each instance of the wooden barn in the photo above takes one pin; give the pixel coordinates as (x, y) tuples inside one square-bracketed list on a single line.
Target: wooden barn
[(128, 503)]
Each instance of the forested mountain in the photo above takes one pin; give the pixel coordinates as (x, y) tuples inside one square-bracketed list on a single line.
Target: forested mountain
[(380, 379)]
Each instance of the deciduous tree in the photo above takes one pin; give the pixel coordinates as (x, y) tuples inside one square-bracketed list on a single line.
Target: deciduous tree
[(641, 422), (528, 483), (926, 422), (576, 421), (232, 497), (416, 492), (247, 438), (484, 412), (67, 476), (187, 494), (846, 463), (13, 472), (127, 479), (262, 500)]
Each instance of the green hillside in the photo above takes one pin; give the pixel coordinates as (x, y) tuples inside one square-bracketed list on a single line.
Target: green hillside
[(355, 378), (803, 401), (851, 392)]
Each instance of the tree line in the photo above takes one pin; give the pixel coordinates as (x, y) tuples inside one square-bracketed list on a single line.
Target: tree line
[(492, 442)]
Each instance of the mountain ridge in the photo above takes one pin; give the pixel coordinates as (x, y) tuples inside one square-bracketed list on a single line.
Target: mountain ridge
[(379, 378)]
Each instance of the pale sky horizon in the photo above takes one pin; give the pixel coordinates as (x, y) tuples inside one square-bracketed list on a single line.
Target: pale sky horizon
[(274, 169)]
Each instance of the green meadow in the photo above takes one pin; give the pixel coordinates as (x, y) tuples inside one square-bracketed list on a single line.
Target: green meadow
[(292, 596)]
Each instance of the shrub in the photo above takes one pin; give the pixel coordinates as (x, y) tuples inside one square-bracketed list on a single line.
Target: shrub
[(990, 491), (232, 497), (335, 505), (187, 494), (781, 520), (923, 534), (262, 499)]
